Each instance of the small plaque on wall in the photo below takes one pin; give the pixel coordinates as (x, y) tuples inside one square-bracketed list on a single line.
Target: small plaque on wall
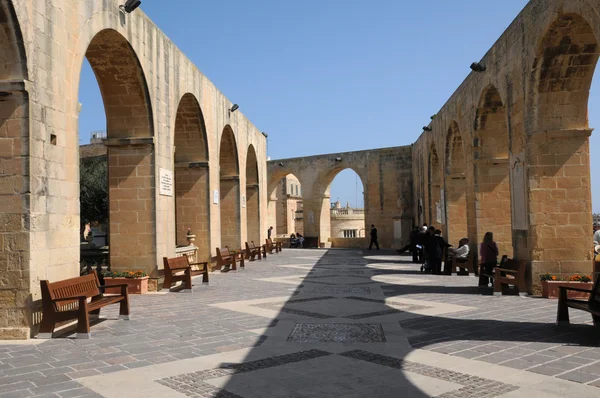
[(243, 201), (166, 182), (216, 197)]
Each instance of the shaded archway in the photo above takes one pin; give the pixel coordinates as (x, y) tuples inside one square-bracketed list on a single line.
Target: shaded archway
[(455, 186), (129, 125), (252, 198), (436, 208), (229, 201), (16, 198), (347, 214), (558, 149), (492, 185), (192, 192)]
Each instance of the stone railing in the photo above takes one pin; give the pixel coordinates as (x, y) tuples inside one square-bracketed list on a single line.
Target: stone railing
[(347, 213)]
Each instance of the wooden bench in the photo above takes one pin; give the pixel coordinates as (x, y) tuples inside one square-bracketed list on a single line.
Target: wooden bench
[(592, 305), (490, 275), (462, 267), (68, 299), (226, 257), (180, 269), (511, 272), (252, 251), (270, 245), (263, 248)]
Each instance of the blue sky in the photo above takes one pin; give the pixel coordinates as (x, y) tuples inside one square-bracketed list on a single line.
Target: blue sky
[(324, 76)]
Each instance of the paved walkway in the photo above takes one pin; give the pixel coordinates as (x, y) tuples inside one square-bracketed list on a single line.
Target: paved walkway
[(317, 323)]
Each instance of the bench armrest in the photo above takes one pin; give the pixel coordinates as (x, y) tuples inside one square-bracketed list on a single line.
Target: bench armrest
[(510, 271), (577, 289)]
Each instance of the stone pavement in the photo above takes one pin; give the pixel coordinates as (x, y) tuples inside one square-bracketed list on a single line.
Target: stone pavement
[(317, 323)]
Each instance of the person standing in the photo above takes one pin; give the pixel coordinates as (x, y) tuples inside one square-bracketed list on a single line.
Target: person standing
[(374, 237), (488, 250), (269, 232)]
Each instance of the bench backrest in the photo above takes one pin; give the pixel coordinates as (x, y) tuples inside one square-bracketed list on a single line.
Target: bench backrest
[(82, 285), (223, 253), (594, 300), (176, 263), (250, 246)]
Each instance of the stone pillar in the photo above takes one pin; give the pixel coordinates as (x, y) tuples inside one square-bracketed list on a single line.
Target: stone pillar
[(253, 213), (316, 218), (559, 202), (493, 202), (132, 213), (456, 208), (272, 211), (191, 205), (16, 216), (230, 212)]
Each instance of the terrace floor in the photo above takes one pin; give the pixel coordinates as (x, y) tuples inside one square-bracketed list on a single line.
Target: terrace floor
[(317, 323)]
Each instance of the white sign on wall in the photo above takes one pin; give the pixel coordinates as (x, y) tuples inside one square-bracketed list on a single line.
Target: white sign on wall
[(311, 217), (438, 213), (166, 182), (243, 201), (216, 197), (442, 207), (519, 192)]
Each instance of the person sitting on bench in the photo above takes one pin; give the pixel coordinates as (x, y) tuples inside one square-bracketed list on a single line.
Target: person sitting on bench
[(461, 253)]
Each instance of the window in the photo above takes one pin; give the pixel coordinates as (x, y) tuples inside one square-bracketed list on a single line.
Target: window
[(349, 233)]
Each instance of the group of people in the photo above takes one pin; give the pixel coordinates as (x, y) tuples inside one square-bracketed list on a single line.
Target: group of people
[(296, 240)]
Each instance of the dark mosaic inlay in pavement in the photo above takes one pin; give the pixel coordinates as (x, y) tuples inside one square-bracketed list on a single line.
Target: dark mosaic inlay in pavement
[(337, 333), (337, 290), (193, 384), (473, 386)]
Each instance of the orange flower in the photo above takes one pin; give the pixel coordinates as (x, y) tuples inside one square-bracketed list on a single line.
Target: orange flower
[(553, 277)]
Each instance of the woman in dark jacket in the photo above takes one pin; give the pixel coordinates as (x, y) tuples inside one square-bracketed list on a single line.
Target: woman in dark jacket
[(488, 250)]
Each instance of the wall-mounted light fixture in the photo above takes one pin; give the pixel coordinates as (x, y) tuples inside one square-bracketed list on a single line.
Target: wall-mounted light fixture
[(265, 134), (427, 128), (130, 6), (477, 67), (234, 108), (338, 159), (280, 164)]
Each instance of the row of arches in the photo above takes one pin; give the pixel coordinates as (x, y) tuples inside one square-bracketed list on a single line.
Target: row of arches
[(521, 168)]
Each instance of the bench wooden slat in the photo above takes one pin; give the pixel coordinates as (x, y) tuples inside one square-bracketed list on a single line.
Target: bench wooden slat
[(179, 269)]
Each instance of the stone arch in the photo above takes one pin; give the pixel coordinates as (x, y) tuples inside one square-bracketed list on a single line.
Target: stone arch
[(558, 149), (321, 205), (252, 197), (229, 174), (434, 187), (192, 189), (13, 58), (492, 182), (130, 131), (15, 133), (455, 185)]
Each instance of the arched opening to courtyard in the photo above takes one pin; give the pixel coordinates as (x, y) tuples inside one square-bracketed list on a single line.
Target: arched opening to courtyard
[(252, 199), (192, 192), (455, 186), (492, 182), (285, 210), (435, 190), (129, 149), (346, 216), (229, 200), (559, 174)]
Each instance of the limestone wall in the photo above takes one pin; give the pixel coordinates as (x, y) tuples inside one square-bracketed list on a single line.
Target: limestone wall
[(510, 148), (143, 76)]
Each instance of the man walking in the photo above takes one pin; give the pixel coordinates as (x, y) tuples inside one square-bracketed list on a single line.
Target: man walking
[(269, 232), (373, 237)]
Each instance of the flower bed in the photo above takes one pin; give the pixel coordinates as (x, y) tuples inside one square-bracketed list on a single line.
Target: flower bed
[(137, 282), (551, 283)]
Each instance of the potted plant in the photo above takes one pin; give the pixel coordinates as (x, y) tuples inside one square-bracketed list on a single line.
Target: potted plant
[(137, 281), (551, 283)]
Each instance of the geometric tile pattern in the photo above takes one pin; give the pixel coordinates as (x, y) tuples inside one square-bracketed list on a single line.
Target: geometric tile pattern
[(473, 386), (193, 385), (336, 333)]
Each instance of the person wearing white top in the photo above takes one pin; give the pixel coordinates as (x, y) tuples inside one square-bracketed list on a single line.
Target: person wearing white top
[(597, 237), (461, 253)]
